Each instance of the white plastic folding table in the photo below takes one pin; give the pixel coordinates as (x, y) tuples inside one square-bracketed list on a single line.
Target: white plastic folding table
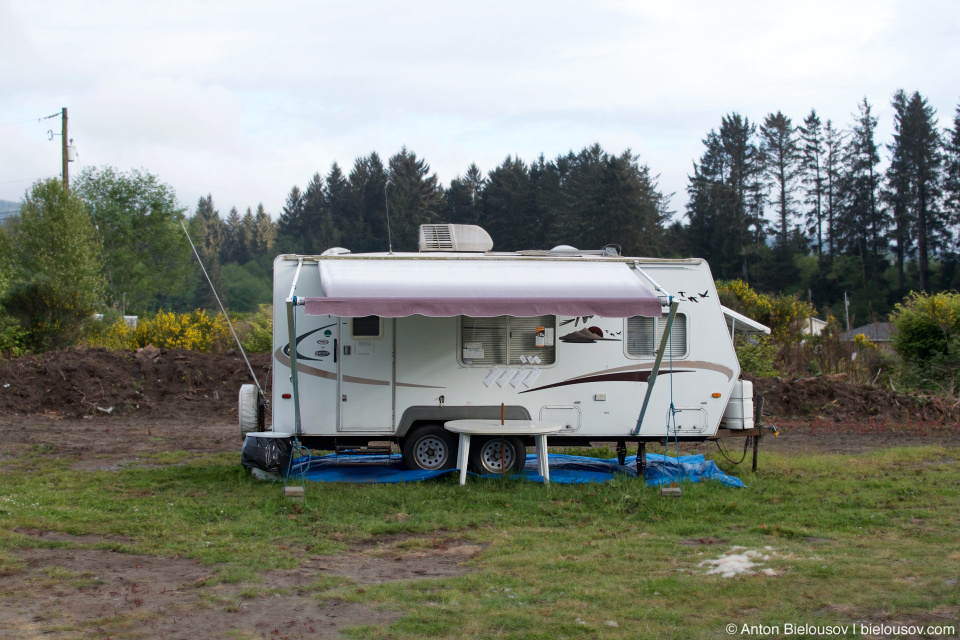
[(536, 428)]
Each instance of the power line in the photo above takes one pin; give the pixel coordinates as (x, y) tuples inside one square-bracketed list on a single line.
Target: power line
[(28, 179), (10, 124)]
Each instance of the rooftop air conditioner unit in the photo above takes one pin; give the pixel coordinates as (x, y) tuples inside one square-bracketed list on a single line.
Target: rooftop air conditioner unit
[(454, 237)]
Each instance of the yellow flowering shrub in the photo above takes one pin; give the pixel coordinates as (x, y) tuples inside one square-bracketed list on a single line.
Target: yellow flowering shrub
[(784, 314), (197, 331), (862, 343)]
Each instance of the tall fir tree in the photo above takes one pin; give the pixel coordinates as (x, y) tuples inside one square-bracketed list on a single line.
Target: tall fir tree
[(248, 232), (208, 232), (923, 145), (314, 213), (290, 224), (461, 202), (264, 233), (725, 208), (367, 205), (897, 192), (234, 248), (951, 172), (833, 143), (506, 202), (814, 176), (779, 147), (864, 225), (414, 197), (338, 205)]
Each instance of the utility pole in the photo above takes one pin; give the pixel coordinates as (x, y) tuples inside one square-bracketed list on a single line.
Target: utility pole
[(846, 307), (63, 140)]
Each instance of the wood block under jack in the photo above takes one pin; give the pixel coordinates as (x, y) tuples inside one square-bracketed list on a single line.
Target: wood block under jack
[(293, 492), (671, 492)]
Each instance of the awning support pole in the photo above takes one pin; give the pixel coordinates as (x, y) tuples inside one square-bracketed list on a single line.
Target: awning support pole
[(656, 363), (656, 285), (292, 303)]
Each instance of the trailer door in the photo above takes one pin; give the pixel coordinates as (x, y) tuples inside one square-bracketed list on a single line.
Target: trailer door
[(366, 374)]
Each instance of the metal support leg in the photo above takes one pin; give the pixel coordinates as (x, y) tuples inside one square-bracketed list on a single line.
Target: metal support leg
[(542, 462), (756, 445), (621, 452), (641, 459)]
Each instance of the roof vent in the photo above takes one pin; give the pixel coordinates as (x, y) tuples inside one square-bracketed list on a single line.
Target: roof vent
[(335, 251), (454, 237)]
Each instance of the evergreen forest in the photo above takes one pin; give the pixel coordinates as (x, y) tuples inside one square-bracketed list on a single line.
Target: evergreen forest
[(789, 204)]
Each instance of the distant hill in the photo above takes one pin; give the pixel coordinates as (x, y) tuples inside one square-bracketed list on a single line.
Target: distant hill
[(8, 209)]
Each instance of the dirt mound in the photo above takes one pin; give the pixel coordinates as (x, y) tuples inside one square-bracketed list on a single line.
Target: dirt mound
[(203, 387), (826, 399), (151, 382)]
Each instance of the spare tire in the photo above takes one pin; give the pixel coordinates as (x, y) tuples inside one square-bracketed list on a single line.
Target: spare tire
[(249, 410)]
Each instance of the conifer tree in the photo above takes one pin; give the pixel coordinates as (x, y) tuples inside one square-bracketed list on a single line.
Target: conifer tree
[(264, 233), (367, 208), (207, 230), (506, 201), (338, 205), (414, 198), (833, 143), (233, 249), (779, 147), (897, 191), (863, 228), (811, 154), (951, 172), (922, 144), (248, 232), (314, 212), (290, 224)]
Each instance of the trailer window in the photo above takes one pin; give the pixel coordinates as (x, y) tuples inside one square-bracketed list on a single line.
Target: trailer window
[(505, 339), (366, 328), (644, 335)]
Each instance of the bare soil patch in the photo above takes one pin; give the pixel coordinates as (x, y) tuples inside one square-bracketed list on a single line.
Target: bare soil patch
[(85, 591)]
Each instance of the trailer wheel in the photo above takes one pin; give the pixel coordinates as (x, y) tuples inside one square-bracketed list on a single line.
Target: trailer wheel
[(249, 410), (491, 455), (430, 447)]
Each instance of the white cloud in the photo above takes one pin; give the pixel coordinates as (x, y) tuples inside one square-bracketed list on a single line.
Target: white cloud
[(244, 99)]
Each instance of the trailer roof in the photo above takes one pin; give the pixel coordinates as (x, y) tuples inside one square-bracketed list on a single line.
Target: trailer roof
[(355, 287)]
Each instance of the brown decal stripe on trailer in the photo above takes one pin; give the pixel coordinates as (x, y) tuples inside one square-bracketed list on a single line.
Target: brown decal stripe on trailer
[(634, 373), (319, 373), (629, 376)]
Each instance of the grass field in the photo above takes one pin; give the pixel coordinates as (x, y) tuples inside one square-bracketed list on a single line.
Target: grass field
[(838, 540)]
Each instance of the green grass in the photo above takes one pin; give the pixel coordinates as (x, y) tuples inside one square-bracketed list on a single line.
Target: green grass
[(866, 537)]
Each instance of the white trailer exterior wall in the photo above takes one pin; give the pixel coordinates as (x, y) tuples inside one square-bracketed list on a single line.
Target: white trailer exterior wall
[(379, 384)]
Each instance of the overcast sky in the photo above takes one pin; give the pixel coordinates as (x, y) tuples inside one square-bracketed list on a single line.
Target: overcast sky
[(244, 99)]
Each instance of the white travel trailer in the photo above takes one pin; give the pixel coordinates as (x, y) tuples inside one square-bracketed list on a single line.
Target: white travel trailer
[(389, 346)]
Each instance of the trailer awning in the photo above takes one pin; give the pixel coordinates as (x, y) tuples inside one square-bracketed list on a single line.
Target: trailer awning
[(398, 287), (739, 323)]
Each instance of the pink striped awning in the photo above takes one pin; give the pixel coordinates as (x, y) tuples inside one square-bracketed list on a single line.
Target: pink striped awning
[(401, 286)]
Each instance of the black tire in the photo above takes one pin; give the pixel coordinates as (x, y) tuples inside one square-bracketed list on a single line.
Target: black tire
[(485, 455), (430, 447)]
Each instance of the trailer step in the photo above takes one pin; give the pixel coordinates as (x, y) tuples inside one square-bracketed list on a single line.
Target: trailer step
[(363, 451)]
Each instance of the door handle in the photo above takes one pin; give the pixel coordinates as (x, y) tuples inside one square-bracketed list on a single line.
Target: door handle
[(336, 350)]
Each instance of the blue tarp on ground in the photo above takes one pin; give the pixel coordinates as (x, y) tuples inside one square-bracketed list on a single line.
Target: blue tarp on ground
[(564, 469)]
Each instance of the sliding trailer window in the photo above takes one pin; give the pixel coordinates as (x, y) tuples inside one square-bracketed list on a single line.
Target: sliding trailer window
[(486, 342)]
